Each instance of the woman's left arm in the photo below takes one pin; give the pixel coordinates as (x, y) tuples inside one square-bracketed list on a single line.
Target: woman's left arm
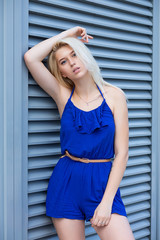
[(121, 141)]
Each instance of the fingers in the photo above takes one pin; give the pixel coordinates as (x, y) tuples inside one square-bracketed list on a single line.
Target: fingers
[(85, 36), (100, 222)]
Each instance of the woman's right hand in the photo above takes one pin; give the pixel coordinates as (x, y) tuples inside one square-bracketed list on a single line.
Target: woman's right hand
[(78, 32)]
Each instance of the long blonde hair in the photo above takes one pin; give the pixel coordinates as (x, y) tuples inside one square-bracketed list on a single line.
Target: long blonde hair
[(84, 55)]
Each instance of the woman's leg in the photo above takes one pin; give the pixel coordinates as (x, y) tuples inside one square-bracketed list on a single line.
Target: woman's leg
[(118, 228), (69, 229)]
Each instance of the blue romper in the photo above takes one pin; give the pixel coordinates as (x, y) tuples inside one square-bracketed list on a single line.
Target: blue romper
[(75, 189)]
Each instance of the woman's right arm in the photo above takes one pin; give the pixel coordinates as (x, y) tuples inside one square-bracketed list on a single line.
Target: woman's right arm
[(33, 59), (34, 56)]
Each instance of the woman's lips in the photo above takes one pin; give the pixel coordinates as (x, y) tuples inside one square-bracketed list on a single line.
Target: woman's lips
[(77, 69)]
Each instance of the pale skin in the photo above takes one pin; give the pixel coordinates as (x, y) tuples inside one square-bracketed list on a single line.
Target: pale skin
[(108, 226)]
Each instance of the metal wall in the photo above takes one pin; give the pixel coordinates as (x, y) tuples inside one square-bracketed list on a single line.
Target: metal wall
[(122, 46), (13, 120), (126, 48)]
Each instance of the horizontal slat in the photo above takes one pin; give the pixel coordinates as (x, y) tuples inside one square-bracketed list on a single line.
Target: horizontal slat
[(125, 6), (36, 210), (45, 150), (40, 102), (139, 104), (43, 115), (90, 234), (139, 151), (137, 208), (139, 160), (139, 132), (126, 75), (43, 138), (99, 11), (49, 138), (36, 222), (134, 171), (45, 10), (39, 126), (47, 102), (50, 161), (146, 3), (126, 52), (142, 233), (138, 123), (39, 174), (119, 64), (51, 237), (37, 91), (134, 189), (41, 232), (141, 225), (40, 150), (131, 85), (42, 162), (39, 32), (136, 198), (116, 5), (54, 126), (37, 186), (135, 179), (36, 198), (127, 84), (139, 114), (48, 233), (42, 126), (139, 216)]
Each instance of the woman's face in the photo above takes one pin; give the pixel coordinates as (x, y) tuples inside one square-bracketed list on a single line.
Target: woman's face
[(69, 64)]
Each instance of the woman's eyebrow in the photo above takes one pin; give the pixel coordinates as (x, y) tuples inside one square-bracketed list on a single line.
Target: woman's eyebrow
[(64, 57), (61, 59)]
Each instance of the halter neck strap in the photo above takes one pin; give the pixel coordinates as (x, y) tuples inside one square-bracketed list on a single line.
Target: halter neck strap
[(100, 91), (97, 87), (72, 92)]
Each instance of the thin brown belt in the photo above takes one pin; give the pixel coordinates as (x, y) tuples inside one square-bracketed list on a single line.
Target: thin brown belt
[(85, 160)]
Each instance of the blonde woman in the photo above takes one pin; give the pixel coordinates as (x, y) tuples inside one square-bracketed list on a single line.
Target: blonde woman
[(84, 184)]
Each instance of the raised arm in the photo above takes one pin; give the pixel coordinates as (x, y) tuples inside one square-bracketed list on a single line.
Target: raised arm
[(34, 56)]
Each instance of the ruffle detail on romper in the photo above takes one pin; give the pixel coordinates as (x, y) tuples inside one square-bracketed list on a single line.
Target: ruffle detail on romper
[(88, 122)]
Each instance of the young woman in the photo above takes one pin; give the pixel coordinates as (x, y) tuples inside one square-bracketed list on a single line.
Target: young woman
[(94, 127)]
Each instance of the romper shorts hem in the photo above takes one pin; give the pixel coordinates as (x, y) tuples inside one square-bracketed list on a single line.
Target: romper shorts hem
[(64, 216), (80, 218), (87, 219)]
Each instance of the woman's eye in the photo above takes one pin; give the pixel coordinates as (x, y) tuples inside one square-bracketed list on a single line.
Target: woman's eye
[(63, 62), (74, 54)]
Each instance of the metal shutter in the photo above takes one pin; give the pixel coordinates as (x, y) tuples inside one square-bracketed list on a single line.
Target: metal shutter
[(122, 46)]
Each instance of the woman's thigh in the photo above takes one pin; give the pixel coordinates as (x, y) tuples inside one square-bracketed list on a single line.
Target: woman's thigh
[(118, 228), (69, 229)]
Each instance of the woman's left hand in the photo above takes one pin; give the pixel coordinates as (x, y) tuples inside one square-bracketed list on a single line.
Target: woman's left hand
[(102, 215)]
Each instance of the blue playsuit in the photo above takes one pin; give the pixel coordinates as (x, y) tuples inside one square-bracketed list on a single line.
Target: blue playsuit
[(75, 188)]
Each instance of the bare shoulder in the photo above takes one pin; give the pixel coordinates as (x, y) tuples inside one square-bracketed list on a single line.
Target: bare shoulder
[(114, 97)]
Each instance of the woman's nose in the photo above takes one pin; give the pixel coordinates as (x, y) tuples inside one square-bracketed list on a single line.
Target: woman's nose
[(72, 62)]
